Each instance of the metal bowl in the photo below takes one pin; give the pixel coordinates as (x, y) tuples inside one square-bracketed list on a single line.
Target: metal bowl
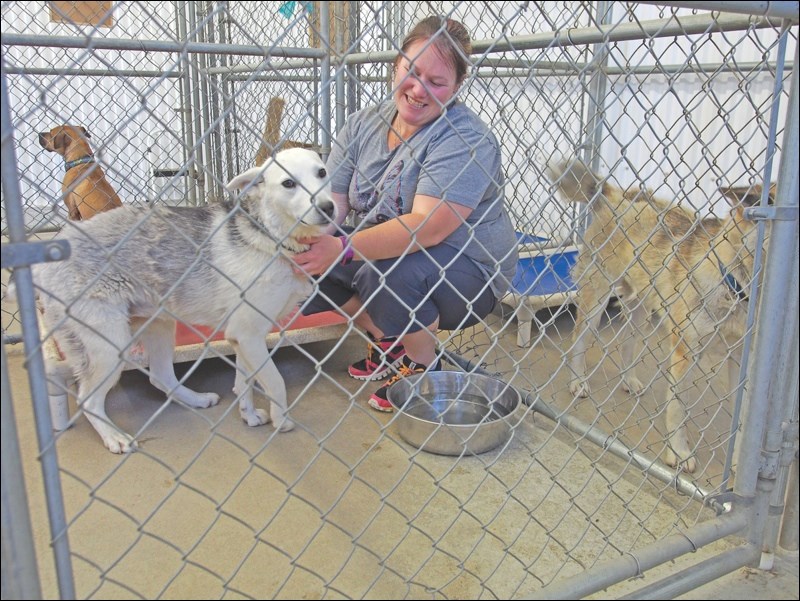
[(455, 413)]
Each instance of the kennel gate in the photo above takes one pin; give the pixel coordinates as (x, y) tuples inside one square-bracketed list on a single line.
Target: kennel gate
[(508, 537)]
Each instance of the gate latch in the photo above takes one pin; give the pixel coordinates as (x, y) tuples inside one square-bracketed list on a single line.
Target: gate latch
[(22, 254), (770, 213)]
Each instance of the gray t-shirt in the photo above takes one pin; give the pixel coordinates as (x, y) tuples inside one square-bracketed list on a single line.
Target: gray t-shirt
[(455, 158)]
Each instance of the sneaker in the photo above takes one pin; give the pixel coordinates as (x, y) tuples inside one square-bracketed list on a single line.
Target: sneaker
[(380, 398), (382, 356)]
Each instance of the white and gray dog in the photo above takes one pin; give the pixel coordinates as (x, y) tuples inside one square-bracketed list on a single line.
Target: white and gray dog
[(134, 271)]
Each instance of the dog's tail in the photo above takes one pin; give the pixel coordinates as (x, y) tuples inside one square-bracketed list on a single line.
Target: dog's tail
[(574, 179)]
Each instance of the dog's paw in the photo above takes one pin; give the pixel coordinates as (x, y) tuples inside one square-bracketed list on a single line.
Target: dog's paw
[(120, 443), (579, 388), (284, 425), (671, 459), (254, 417), (199, 400), (209, 398), (632, 385)]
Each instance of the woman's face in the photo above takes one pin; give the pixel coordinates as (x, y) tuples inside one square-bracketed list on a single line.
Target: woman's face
[(423, 83)]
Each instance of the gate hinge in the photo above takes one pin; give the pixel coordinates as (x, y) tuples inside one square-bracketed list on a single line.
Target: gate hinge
[(770, 463), (22, 254)]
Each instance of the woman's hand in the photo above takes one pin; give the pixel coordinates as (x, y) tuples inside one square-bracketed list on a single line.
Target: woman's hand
[(324, 252)]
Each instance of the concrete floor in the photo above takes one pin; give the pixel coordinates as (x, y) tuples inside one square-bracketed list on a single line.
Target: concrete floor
[(342, 507)]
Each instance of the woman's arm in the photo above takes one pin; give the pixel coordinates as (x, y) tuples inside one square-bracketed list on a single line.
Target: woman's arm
[(342, 211), (430, 222), (342, 203)]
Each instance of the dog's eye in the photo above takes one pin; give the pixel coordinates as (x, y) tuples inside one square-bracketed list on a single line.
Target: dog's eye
[(288, 183), (322, 173)]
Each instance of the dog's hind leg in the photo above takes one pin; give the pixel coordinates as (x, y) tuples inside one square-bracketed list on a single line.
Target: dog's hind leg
[(678, 450), (98, 366), (92, 394), (636, 316), (59, 376), (158, 339)]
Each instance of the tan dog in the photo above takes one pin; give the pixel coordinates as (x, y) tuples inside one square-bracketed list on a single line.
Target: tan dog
[(659, 258), (85, 188)]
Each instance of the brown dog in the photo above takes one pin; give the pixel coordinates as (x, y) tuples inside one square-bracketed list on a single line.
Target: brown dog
[(85, 188), (660, 259)]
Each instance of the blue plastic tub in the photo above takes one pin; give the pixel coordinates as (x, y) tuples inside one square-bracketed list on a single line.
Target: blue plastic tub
[(545, 273)]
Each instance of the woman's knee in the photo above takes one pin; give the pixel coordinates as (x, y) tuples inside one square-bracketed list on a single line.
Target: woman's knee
[(392, 281)]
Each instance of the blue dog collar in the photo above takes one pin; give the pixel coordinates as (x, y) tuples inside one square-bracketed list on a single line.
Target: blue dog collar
[(70, 164), (730, 281)]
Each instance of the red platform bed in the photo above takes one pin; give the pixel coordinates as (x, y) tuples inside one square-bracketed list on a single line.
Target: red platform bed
[(295, 329), (192, 343)]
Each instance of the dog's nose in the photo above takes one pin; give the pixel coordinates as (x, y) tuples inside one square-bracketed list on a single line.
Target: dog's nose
[(327, 208), (43, 139)]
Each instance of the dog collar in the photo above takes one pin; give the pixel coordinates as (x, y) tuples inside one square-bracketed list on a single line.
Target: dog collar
[(255, 219), (82, 161), (732, 283)]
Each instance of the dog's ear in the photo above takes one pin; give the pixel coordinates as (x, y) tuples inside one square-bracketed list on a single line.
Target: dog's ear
[(248, 179), (574, 178), (746, 196), (61, 140)]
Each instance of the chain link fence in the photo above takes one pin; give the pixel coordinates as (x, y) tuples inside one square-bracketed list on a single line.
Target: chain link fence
[(667, 105)]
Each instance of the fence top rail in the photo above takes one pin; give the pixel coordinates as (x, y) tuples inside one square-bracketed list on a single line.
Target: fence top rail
[(614, 32), (96, 43), (657, 28), (781, 10)]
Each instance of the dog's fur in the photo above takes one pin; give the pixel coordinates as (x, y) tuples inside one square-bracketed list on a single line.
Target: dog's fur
[(659, 258), (85, 189), (134, 271)]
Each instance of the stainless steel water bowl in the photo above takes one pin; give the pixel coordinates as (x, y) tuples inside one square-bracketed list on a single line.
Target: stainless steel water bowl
[(455, 413)]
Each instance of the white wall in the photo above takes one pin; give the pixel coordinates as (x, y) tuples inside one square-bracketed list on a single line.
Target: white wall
[(682, 136)]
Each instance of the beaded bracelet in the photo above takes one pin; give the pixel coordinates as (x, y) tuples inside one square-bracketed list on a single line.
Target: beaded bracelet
[(348, 251)]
